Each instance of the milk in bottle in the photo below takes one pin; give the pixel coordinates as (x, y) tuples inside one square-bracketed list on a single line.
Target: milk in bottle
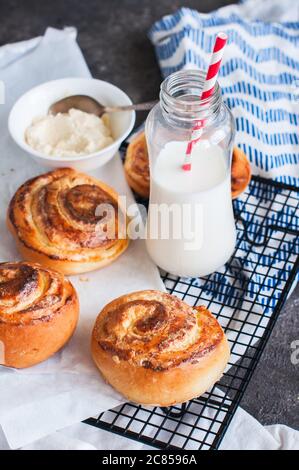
[(190, 228), (192, 247)]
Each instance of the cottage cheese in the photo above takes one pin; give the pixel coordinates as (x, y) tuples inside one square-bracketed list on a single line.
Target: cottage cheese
[(69, 134)]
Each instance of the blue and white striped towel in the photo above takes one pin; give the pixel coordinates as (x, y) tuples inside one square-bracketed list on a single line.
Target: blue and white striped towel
[(259, 76)]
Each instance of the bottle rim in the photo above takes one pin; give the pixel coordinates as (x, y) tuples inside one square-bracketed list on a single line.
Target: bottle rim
[(180, 97)]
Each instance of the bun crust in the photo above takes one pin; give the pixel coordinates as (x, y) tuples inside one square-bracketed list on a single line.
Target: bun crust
[(38, 313), (156, 350), (137, 166), (240, 173), (138, 173), (53, 219)]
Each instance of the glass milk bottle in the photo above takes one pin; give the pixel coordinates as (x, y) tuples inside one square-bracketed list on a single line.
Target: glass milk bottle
[(190, 227)]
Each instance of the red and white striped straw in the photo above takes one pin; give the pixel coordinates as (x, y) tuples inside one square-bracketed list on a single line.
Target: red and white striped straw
[(207, 90)]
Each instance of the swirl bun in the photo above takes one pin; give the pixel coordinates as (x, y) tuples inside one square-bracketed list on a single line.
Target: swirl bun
[(137, 166), (138, 172), (240, 173), (38, 313), (155, 349), (53, 218)]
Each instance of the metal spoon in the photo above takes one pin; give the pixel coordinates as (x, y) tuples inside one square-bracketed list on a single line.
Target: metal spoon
[(92, 106)]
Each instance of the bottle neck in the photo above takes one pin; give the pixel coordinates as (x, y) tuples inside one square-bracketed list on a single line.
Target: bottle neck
[(180, 99)]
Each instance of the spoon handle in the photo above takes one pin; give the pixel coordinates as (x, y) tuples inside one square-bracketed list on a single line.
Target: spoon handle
[(130, 107)]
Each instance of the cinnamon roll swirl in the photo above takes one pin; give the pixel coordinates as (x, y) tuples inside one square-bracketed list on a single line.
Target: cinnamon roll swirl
[(155, 349), (137, 166), (38, 313), (68, 221)]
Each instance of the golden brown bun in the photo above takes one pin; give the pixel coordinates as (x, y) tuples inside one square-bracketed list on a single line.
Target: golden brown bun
[(53, 219), (241, 172), (138, 173), (38, 313), (155, 349), (137, 166)]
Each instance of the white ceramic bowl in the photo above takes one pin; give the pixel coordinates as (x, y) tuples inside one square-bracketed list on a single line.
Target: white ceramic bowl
[(36, 102)]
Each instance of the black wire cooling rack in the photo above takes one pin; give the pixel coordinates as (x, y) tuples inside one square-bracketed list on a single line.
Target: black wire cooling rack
[(246, 296)]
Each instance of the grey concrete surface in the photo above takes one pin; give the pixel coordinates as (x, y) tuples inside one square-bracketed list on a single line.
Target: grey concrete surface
[(112, 35)]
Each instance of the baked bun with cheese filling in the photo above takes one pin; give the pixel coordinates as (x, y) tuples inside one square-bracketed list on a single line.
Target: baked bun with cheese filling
[(137, 166), (68, 221), (138, 173), (38, 313), (155, 349)]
